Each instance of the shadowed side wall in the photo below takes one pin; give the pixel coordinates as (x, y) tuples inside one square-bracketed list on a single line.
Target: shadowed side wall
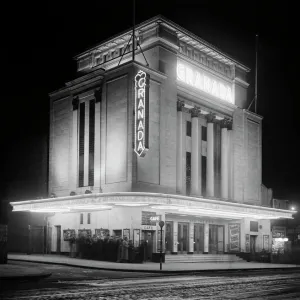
[(60, 115)]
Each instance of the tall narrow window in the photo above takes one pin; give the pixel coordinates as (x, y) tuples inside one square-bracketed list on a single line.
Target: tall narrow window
[(188, 128), (188, 173), (91, 142), (81, 218), (89, 218), (81, 145), (203, 174), (204, 133)]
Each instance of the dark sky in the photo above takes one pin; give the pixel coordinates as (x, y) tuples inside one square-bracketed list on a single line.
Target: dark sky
[(40, 40)]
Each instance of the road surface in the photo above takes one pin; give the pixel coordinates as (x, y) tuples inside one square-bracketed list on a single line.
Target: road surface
[(74, 283)]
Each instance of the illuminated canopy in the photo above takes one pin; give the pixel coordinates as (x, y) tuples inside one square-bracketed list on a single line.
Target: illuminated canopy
[(169, 203)]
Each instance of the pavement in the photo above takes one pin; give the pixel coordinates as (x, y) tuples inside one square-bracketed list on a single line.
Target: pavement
[(12, 271)]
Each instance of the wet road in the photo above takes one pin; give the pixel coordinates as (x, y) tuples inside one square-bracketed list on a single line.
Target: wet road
[(273, 284)]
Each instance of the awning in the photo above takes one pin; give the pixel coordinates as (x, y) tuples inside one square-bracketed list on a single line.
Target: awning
[(169, 203)]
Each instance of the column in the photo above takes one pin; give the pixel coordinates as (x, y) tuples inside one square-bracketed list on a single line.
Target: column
[(86, 143), (224, 159), (206, 238), (74, 146), (199, 158), (179, 152), (191, 241), (97, 156), (175, 236), (195, 112), (230, 164), (210, 156)]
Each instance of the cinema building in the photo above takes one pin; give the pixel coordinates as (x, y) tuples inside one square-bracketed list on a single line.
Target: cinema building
[(164, 137)]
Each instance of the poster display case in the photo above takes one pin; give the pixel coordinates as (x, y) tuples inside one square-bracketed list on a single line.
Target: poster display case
[(234, 233)]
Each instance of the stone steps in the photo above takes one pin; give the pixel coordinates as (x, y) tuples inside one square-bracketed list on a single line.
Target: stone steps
[(202, 258)]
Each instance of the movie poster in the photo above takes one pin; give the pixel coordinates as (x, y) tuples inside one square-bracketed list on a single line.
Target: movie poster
[(266, 242), (247, 241), (234, 237)]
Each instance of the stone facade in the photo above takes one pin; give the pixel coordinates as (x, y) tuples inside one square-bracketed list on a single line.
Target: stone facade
[(202, 171), (117, 167)]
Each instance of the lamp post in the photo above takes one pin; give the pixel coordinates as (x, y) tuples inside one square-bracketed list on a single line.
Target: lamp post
[(161, 225)]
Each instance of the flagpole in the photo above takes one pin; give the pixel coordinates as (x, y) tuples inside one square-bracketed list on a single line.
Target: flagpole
[(133, 32), (256, 59)]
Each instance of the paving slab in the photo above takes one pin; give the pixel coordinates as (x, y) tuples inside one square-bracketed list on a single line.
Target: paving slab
[(174, 267)]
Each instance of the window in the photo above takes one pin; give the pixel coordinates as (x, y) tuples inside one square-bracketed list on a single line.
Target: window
[(91, 142), (81, 218), (253, 226), (81, 144), (88, 178), (189, 128), (204, 133), (188, 172), (203, 174), (89, 218)]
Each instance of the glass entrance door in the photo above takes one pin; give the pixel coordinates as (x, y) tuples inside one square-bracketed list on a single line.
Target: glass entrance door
[(252, 243), (169, 237), (183, 237), (216, 239), (220, 239), (198, 238)]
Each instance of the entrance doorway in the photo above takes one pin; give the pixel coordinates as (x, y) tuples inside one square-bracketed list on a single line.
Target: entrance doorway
[(183, 237), (58, 238), (147, 236), (198, 238), (252, 243), (169, 237), (216, 239)]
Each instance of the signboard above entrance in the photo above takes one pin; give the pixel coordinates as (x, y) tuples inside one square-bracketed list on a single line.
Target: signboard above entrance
[(204, 82), (150, 218), (141, 110)]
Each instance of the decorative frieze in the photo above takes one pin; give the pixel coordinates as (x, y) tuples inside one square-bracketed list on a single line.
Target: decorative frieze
[(204, 59)]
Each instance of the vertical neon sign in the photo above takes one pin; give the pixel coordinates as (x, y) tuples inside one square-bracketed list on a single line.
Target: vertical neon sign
[(141, 109)]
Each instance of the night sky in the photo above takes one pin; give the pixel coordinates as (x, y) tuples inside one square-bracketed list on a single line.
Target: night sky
[(40, 40)]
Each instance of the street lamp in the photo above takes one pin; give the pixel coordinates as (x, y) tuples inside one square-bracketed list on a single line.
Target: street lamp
[(161, 225)]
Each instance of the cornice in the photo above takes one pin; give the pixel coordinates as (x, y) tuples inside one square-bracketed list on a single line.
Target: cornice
[(241, 82), (72, 86), (253, 115), (182, 34), (113, 63)]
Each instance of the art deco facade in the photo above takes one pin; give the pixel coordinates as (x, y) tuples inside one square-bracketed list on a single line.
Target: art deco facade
[(166, 137)]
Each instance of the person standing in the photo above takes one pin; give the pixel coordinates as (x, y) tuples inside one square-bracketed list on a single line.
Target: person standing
[(119, 249), (125, 250)]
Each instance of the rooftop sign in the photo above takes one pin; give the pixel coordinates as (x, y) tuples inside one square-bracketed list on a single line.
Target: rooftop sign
[(141, 130), (204, 82)]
